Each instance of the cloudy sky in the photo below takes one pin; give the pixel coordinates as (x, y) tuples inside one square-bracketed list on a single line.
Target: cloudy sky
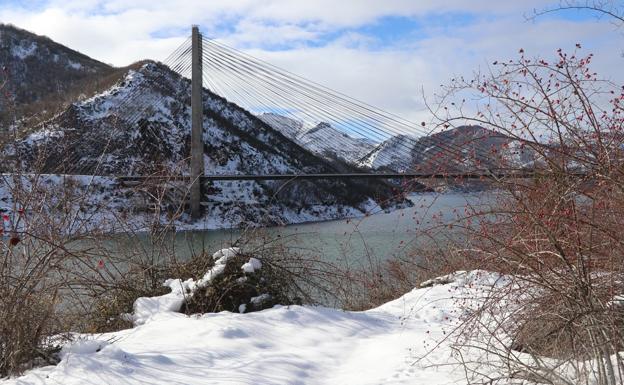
[(384, 52)]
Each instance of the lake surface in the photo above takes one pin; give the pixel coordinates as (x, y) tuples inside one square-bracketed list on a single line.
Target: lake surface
[(379, 235)]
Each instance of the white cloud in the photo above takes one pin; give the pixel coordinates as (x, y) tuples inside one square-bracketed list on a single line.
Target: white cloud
[(251, 32), (392, 77), (357, 12)]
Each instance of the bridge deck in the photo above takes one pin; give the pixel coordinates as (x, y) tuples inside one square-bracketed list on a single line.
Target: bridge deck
[(226, 177)]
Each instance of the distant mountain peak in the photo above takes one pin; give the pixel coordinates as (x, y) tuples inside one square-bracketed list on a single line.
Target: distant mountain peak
[(322, 139)]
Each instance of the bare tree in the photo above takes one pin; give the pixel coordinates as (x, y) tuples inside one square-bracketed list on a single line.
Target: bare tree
[(610, 9), (556, 236)]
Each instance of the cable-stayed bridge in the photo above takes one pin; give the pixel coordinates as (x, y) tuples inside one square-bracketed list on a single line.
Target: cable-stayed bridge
[(272, 94)]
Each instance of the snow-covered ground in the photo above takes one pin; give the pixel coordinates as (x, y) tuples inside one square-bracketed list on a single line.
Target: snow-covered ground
[(281, 345), (411, 340)]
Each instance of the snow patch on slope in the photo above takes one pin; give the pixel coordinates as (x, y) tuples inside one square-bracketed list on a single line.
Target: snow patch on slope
[(24, 51)]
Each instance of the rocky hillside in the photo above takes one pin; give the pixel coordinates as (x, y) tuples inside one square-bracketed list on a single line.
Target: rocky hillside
[(461, 149), (322, 139), (141, 126), (40, 76)]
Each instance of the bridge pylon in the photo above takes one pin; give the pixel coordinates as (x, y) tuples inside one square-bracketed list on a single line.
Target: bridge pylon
[(197, 117)]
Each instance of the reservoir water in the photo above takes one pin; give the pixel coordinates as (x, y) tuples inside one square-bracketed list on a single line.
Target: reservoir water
[(379, 234)]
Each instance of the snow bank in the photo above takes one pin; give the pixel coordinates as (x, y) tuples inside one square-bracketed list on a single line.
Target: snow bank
[(400, 342), (282, 345), (251, 266), (84, 346), (146, 308), (221, 258)]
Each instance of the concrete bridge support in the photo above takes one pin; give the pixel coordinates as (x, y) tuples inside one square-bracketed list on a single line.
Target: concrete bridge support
[(197, 108)]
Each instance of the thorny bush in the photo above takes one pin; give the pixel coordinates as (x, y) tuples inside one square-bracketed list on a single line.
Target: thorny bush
[(558, 233)]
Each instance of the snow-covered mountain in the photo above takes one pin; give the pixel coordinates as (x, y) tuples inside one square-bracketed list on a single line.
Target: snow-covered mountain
[(461, 149), (141, 126), (322, 139), (291, 128), (393, 153), (40, 75)]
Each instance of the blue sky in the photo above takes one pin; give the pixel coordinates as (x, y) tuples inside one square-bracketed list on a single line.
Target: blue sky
[(388, 53)]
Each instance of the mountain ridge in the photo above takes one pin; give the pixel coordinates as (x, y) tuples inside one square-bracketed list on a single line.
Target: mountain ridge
[(462, 149), (41, 76)]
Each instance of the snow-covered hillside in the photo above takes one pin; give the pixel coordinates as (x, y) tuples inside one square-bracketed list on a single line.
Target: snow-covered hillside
[(282, 345), (141, 126), (322, 139), (292, 128), (393, 153), (41, 75)]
